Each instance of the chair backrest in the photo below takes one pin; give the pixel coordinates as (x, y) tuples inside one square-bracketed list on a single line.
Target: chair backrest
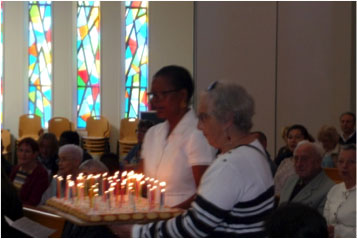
[(29, 124), (47, 219), (57, 125), (333, 174), (6, 140), (128, 128), (98, 126)]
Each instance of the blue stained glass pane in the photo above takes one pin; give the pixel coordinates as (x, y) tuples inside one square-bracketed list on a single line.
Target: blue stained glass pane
[(81, 123)]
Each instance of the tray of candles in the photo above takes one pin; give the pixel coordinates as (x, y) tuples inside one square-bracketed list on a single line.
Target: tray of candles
[(101, 200)]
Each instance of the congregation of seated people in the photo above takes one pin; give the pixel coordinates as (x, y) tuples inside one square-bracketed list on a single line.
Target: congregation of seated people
[(294, 194)]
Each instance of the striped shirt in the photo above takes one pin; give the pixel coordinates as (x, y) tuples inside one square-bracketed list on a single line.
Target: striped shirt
[(235, 196), (20, 179)]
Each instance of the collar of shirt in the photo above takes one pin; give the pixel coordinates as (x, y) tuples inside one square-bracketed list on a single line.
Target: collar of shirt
[(350, 136)]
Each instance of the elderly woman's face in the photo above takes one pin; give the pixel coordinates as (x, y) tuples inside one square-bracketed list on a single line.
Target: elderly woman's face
[(346, 165), (166, 99), (208, 124), (67, 164), (25, 155)]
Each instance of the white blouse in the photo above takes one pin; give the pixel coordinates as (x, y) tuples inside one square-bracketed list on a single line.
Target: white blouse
[(340, 210)]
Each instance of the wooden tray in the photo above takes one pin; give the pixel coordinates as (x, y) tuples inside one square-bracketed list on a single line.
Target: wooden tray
[(81, 222)]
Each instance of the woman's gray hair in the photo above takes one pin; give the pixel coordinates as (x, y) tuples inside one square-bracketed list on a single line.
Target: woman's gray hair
[(74, 150), (231, 98), (93, 166)]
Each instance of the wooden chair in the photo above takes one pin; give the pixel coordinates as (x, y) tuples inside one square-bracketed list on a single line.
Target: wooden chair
[(98, 132), (30, 126), (57, 125), (333, 174), (6, 141), (127, 136), (47, 219)]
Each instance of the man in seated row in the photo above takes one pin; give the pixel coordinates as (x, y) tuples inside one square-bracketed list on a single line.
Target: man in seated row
[(310, 184)]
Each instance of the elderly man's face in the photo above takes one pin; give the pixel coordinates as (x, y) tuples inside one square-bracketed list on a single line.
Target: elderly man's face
[(307, 162), (347, 124), (67, 164)]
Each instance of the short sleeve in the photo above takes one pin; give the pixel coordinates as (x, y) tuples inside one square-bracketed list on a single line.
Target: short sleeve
[(199, 152)]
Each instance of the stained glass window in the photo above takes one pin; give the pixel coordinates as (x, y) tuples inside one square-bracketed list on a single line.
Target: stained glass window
[(40, 60), (136, 57), (2, 58), (88, 61)]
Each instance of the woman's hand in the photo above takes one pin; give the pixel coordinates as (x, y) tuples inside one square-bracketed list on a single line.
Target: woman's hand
[(121, 230)]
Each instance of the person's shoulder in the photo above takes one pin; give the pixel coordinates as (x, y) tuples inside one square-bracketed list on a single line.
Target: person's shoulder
[(40, 169)]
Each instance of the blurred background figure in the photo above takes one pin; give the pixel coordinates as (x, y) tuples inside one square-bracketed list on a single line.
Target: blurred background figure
[(296, 220), (29, 177), (5, 164), (263, 141), (348, 127), (295, 133), (133, 157), (93, 166), (112, 162), (284, 151), (340, 207), (72, 137), (328, 137), (49, 152)]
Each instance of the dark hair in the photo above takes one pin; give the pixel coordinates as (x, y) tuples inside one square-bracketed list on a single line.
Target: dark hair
[(112, 162), (296, 220), (145, 124), (179, 77), (303, 131), (261, 136), (349, 113), (69, 137), (31, 142), (53, 142)]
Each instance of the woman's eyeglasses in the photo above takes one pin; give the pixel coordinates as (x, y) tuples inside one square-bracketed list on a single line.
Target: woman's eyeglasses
[(212, 85), (160, 95)]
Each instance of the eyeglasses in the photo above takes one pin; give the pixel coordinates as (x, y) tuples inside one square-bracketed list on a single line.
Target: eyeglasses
[(160, 95), (212, 85)]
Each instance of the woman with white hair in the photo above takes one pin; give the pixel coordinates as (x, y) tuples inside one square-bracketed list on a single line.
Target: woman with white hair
[(70, 157), (236, 192)]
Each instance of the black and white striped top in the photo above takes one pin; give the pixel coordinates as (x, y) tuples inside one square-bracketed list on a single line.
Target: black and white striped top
[(235, 196)]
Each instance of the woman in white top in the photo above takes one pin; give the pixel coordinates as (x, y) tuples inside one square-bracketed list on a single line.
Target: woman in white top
[(175, 151), (340, 207)]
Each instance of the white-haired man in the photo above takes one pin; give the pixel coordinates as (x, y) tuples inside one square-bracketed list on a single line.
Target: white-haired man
[(70, 157), (310, 184)]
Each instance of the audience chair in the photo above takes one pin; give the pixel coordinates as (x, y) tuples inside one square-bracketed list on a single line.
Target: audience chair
[(333, 174), (6, 142), (47, 219), (127, 136), (98, 131), (57, 125), (30, 126)]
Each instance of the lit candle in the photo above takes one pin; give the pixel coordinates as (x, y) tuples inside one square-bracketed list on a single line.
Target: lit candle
[(152, 197), (71, 192), (162, 198), (59, 186)]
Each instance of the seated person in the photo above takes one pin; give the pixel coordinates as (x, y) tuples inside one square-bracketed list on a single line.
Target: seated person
[(296, 133), (348, 127), (296, 220), (133, 157), (5, 164), (340, 207), (310, 184), (72, 137), (284, 151), (328, 137), (263, 141), (112, 162), (29, 177), (48, 152), (70, 157), (93, 166)]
